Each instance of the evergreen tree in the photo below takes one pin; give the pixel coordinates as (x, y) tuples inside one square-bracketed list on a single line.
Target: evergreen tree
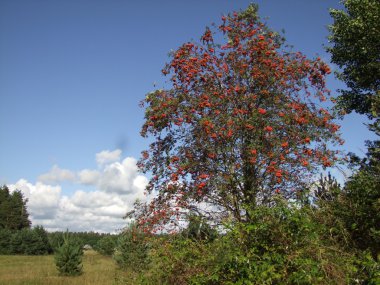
[(16, 243), (43, 237), (68, 257), (5, 240), (132, 249), (13, 212), (4, 206), (34, 241)]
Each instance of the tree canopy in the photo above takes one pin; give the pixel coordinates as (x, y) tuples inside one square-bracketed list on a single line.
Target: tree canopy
[(245, 120), (355, 39)]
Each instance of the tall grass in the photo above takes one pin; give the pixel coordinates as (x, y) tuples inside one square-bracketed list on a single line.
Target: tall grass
[(41, 270)]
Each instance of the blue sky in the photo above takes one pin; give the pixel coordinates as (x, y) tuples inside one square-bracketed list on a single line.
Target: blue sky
[(72, 74)]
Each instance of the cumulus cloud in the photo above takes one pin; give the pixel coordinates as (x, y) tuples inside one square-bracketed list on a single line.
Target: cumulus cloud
[(116, 186), (107, 156), (43, 199), (118, 177), (56, 175), (122, 177)]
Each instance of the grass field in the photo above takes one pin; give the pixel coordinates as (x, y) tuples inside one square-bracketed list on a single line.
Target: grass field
[(41, 270)]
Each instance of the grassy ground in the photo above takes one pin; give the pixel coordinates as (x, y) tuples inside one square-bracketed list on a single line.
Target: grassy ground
[(41, 270)]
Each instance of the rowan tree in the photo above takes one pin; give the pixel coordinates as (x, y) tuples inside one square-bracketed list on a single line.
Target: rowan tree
[(243, 121)]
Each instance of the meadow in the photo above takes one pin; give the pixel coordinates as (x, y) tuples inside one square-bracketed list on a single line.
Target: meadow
[(41, 270)]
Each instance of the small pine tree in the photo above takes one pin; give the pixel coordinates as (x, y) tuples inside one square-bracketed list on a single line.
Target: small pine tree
[(45, 246), (132, 249), (68, 257)]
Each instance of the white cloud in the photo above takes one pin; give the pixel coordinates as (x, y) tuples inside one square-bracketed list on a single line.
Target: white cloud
[(116, 185), (107, 156), (122, 177), (118, 177), (56, 175), (88, 177)]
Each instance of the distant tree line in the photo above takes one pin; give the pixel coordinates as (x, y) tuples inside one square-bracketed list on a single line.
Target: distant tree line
[(96, 240)]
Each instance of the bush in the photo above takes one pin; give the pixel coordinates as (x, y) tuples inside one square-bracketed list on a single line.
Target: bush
[(68, 257), (282, 244)]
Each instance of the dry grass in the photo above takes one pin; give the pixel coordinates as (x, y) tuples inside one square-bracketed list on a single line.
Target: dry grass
[(41, 270)]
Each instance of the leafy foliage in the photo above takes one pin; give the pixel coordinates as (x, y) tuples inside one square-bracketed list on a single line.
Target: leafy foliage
[(361, 208), (282, 244), (355, 35), (355, 38), (68, 257)]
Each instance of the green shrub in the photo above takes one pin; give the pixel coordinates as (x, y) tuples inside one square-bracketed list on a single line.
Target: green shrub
[(68, 257), (282, 244)]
